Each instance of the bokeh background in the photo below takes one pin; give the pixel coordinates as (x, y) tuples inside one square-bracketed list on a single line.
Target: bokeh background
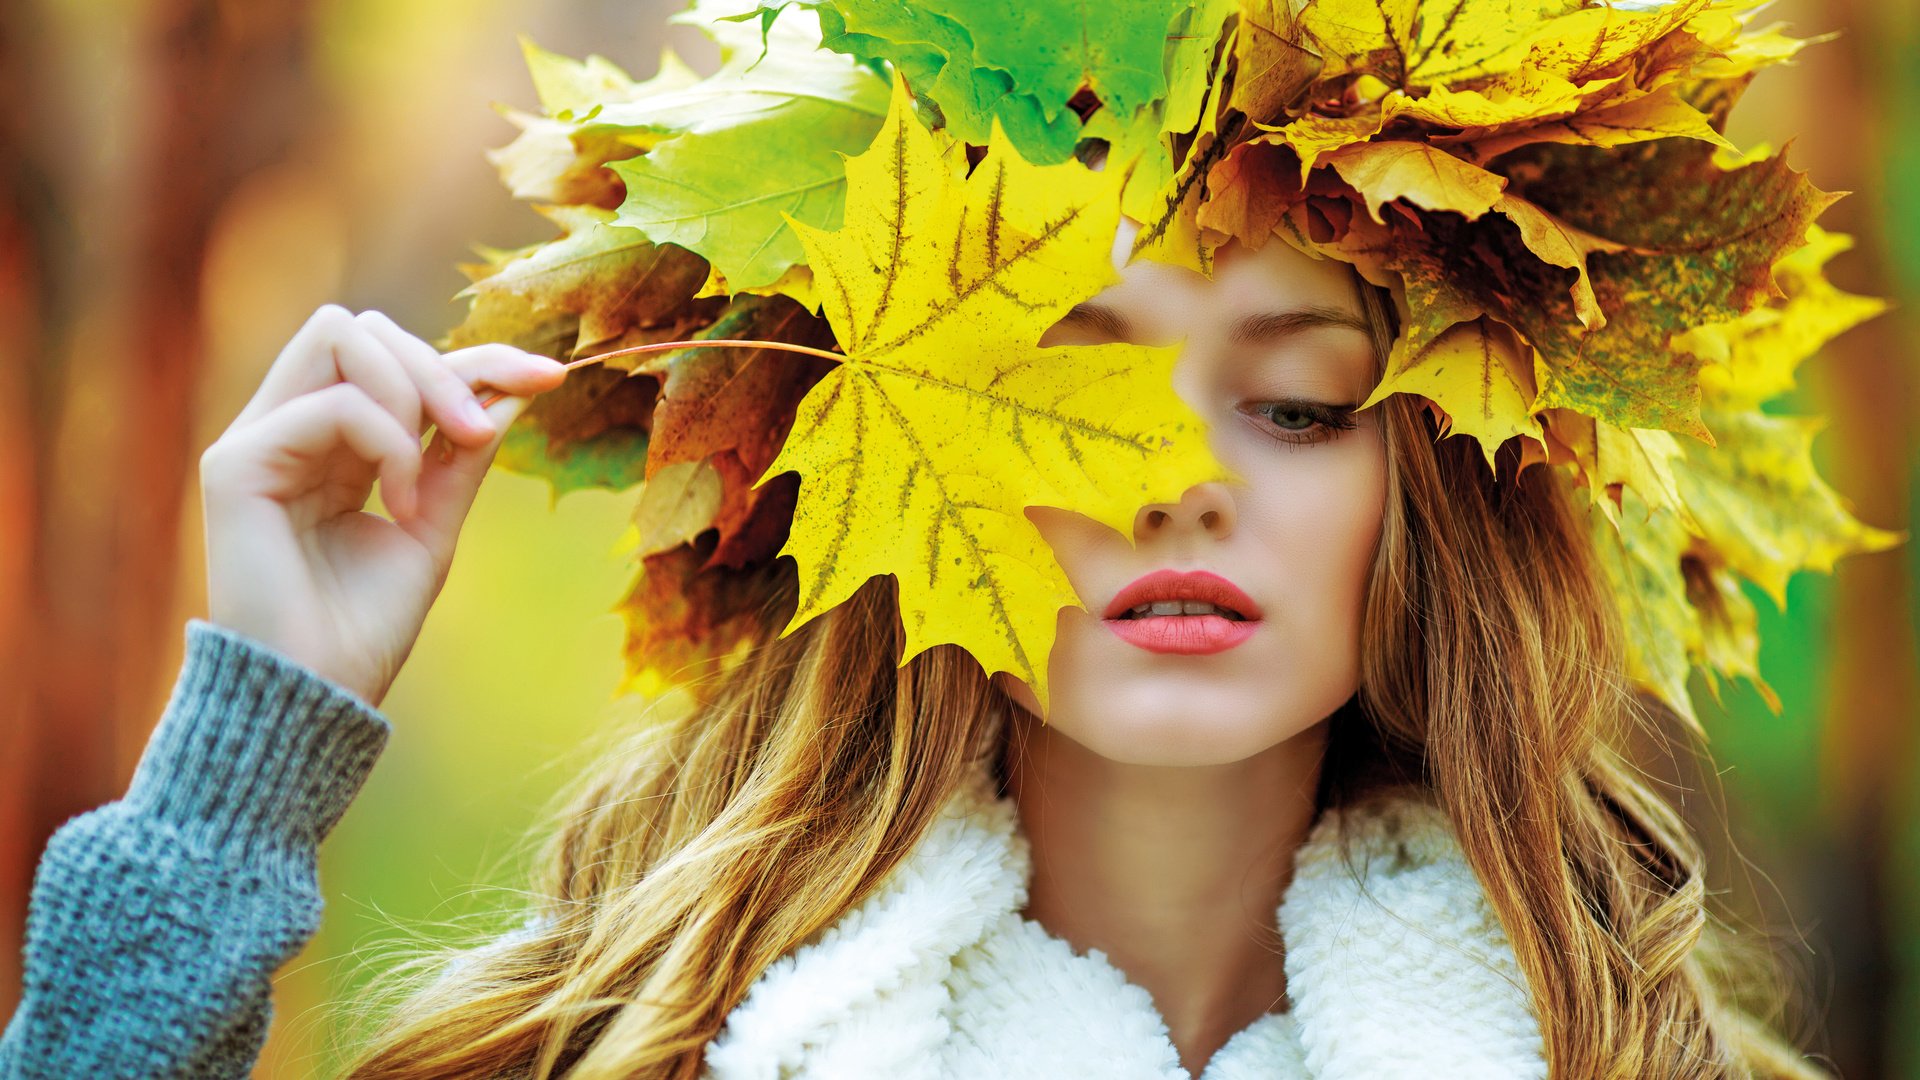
[(183, 181)]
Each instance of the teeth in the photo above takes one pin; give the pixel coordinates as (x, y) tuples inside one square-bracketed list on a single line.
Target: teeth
[(1181, 607)]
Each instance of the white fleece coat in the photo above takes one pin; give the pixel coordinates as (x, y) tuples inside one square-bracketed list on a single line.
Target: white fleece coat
[(1396, 967)]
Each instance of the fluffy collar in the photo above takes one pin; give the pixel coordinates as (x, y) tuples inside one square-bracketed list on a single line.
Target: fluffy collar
[(1396, 966)]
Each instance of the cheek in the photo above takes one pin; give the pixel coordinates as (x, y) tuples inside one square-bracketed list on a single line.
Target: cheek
[(1317, 526), (1306, 525)]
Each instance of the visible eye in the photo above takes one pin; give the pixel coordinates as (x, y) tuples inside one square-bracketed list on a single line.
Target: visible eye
[(1301, 423)]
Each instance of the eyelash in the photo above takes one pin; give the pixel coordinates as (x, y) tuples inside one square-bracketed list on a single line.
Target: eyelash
[(1329, 420)]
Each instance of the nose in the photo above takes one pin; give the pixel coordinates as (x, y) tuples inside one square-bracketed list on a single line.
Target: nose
[(1203, 509)]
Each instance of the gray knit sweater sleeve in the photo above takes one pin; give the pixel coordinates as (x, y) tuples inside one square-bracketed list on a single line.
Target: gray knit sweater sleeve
[(157, 921)]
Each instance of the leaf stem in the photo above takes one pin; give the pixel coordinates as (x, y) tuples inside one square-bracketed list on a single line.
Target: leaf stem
[(668, 346)]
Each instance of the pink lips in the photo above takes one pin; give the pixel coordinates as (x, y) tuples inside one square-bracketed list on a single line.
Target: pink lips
[(1184, 634)]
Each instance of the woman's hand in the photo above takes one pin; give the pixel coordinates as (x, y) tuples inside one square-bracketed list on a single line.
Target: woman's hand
[(292, 559)]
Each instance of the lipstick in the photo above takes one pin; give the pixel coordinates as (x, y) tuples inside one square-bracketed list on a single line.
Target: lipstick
[(1134, 618)]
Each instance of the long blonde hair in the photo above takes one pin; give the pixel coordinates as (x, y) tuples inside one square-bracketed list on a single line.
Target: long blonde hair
[(1492, 661)]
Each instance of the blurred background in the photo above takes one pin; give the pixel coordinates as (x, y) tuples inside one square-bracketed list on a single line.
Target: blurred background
[(183, 181)]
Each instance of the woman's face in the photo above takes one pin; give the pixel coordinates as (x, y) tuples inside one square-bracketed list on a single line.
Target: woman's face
[(1277, 354)]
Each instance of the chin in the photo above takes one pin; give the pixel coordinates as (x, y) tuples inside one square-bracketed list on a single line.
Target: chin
[(1178, 740), (1157, 721)]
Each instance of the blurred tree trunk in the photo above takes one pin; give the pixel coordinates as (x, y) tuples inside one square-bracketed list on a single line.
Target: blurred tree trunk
[(110, 355), (20, 307)]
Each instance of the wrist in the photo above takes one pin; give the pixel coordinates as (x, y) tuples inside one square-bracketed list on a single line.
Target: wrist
[(255, 749)]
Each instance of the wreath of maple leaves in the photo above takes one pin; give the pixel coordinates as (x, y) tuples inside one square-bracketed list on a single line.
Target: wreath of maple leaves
[(1581, 259)]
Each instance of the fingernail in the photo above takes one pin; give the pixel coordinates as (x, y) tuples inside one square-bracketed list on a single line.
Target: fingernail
[(471, 411)]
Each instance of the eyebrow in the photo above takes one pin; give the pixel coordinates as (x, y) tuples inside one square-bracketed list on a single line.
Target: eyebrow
[(1253, 329)]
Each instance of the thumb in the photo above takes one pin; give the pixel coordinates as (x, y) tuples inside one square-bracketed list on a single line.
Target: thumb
[(450, 477)]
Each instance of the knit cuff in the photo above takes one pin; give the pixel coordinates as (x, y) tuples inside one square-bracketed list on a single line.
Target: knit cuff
[(255, 749)]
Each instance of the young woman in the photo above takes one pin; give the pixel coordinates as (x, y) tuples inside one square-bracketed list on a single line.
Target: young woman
[(1381, 830)]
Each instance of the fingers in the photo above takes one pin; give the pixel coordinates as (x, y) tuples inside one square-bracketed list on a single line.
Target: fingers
[(290, 456), (450, 478), (400, 371), (333, 347), (445, 397), (448, 384), (455, 464), (340, 365), (505, 368)]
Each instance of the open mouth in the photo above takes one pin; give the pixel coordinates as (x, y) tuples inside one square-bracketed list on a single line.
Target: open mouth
[(1189, 612), (1181, 607), (1184, 593)]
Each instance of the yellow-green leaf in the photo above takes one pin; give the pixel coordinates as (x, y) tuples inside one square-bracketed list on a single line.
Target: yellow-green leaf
[(758, 143), (1640, 555), (611, 277), (561, 153), (677, 503), (1480, 375), (1313, 136), (1729, 629), (1758, 499), (1420, 43), (1170, 216), (1420, 173), (1753, 358), (1702, 239), (1612, 460), (1662, 114), (919, 454), (569, 88), (1737, 51)]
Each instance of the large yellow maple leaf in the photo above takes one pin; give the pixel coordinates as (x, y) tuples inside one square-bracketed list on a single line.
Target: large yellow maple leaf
[(919, 453)]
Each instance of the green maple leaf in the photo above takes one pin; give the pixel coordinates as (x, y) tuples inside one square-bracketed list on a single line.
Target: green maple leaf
[(919, 454), (589, 432), (730, 159), (1020, 64)]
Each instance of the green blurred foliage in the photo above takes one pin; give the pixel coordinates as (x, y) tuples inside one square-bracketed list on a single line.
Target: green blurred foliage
[(1899, 122)]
